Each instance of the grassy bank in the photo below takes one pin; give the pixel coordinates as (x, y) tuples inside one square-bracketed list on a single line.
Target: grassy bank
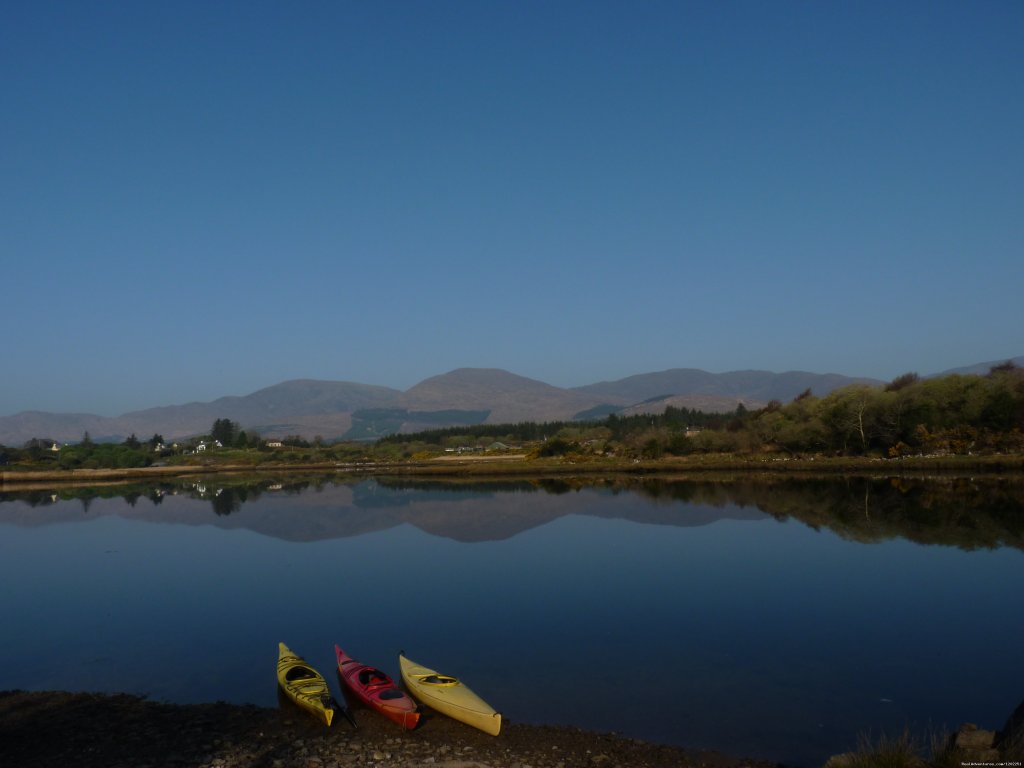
[(520, 466)]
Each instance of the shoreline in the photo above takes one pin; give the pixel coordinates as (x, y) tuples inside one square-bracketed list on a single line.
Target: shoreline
[(518, 466), (94, 730)]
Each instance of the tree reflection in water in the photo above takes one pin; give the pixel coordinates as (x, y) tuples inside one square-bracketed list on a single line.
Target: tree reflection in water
[(969, 512)]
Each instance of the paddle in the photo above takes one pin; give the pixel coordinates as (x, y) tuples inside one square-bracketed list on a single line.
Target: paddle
[(348, 716), (344, 710)]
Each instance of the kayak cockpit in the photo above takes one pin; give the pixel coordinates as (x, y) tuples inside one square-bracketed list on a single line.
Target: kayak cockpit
[(371, 677), (439, 680), (300, 673)]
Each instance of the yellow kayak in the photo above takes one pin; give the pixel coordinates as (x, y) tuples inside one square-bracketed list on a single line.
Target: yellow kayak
[(449, 695), (304, 685)]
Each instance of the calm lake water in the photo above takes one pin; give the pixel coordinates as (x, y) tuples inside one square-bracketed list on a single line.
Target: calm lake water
[(780, 620)]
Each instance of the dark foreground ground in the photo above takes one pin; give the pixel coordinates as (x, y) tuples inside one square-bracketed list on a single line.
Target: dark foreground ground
[(82, 730)]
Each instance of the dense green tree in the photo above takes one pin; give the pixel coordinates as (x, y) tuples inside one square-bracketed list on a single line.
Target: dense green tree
[(902, 382), (653, 449), (555, 447), (679, 444), (1008, 367), (948, 414), (225, 431)]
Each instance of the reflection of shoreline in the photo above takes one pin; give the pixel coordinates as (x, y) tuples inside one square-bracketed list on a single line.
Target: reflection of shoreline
[(339, 510), (955, 511)]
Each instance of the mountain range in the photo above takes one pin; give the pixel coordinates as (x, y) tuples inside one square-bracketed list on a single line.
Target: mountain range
[(465, 396)]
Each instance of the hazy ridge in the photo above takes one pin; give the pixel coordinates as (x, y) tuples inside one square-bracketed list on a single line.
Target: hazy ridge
[(334, 409)]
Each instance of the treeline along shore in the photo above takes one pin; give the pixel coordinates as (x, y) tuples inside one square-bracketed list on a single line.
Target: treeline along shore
[(966, 422)]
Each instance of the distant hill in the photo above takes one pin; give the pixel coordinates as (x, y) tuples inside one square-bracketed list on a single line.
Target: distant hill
[(19, 429), (705, 403), (982, 368), (760, 386), (463, 397), (300, 407), (507, 397)]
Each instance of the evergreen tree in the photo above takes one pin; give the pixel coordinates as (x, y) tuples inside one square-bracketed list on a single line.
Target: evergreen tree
[(225, 430)]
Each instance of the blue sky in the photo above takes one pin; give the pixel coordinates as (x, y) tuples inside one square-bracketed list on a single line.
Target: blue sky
[(200, 199)]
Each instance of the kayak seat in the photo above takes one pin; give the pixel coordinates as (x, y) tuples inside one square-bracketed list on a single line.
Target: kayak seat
[(299, 673), (373, 677)]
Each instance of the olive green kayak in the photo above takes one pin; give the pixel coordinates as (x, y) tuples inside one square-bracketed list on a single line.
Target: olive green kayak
[(304, 685)]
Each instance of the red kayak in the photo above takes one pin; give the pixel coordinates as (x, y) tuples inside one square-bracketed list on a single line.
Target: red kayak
[(377, 690)]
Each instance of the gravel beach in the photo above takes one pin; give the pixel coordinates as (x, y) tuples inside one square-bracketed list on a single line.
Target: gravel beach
[(85, 730)]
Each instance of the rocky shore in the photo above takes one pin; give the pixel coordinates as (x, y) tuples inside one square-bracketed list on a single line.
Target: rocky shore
[(85, 730)]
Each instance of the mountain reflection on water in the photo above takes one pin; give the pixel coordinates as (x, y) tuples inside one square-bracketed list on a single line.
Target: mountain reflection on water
[(965, 512), (739, 613)]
